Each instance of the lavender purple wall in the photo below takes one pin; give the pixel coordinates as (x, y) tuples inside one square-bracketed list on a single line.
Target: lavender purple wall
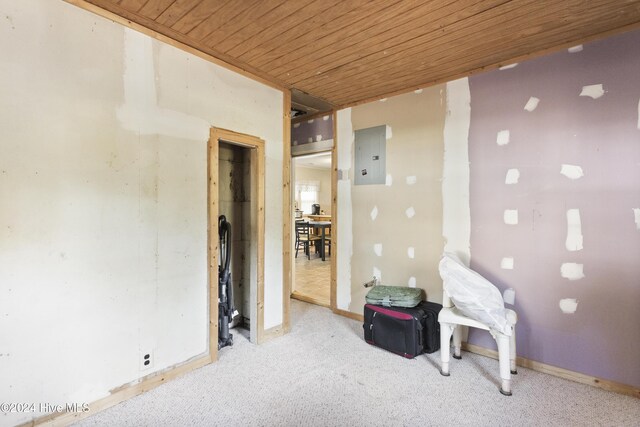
[(602, 136), (313, 130)]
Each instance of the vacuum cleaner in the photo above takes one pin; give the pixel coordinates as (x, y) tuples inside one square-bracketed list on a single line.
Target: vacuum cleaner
[(226, 311)]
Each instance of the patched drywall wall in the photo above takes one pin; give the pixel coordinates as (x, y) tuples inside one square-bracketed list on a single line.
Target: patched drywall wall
[(344, 204), (555, 177), (103, 183), (456, 214), (312, 135), (396, 227)]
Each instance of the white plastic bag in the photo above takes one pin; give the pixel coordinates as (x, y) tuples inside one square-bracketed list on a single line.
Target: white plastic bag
[(473, 295)]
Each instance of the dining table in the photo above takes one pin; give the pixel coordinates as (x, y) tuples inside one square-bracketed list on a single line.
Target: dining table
[(321, 225)]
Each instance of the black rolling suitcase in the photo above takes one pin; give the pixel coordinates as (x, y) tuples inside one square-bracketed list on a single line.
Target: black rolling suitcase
[(404, 331)]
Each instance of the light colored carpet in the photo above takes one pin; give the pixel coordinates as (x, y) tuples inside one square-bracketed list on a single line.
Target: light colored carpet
[(324, 374)]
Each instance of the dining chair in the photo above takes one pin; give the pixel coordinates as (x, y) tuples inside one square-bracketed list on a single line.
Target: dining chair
[(304, 238)]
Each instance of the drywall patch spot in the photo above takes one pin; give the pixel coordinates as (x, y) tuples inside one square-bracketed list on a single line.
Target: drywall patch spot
[(140, 112), (374, 213), (8, 18), (575, 49), (377, 273), (572, 271), (456, 212), (506, 263), (411, 180), (593, 91), (389, 180), (296, 125), (513, 175), (571, 171), (511, 216), (508, 67), (412, 282), (410, 212), (383, 100), (295, 142), (503, 137), (568, 305), (310, 121), (388, 132), (377, 248), (310, 140), (418, 91), (411, 252), (532, 104), (574, 230), (318, 138), (509, 296), (325, 118), (636, 214)]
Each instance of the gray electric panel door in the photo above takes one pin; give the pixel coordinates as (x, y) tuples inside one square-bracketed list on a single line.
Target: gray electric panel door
[(370, 159)]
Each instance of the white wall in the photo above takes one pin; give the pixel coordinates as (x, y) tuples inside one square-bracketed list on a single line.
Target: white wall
[(103, 187), (323, 176)]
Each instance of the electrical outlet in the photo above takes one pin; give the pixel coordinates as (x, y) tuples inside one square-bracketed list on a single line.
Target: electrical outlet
[(146, 360)]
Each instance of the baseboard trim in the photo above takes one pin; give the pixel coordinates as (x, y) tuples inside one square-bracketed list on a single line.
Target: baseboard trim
[(350, 315), (271, 333), (311, 300), (559, 372), (120, 394)]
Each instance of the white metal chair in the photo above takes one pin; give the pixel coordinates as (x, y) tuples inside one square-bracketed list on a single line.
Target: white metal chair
[(451, 320)]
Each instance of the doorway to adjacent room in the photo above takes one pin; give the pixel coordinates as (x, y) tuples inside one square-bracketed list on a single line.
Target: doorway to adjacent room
[(312, 238)]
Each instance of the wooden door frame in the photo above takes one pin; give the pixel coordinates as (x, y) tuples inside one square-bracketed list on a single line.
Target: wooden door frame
[(289, 263), (287, 213), (257, 147), (334, 216)]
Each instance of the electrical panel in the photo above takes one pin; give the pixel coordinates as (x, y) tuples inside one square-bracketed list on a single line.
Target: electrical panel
[(370, 156)]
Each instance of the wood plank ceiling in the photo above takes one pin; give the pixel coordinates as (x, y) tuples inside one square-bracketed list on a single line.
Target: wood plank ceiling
[(349, 51)]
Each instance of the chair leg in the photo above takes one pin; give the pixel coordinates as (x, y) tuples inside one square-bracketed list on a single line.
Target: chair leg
[(512, 352), (457, 342), (446, 330), (297, 247), (306, 245), (503, 359)]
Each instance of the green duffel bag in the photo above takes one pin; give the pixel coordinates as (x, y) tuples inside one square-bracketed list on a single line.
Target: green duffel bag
[(394, 296)]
